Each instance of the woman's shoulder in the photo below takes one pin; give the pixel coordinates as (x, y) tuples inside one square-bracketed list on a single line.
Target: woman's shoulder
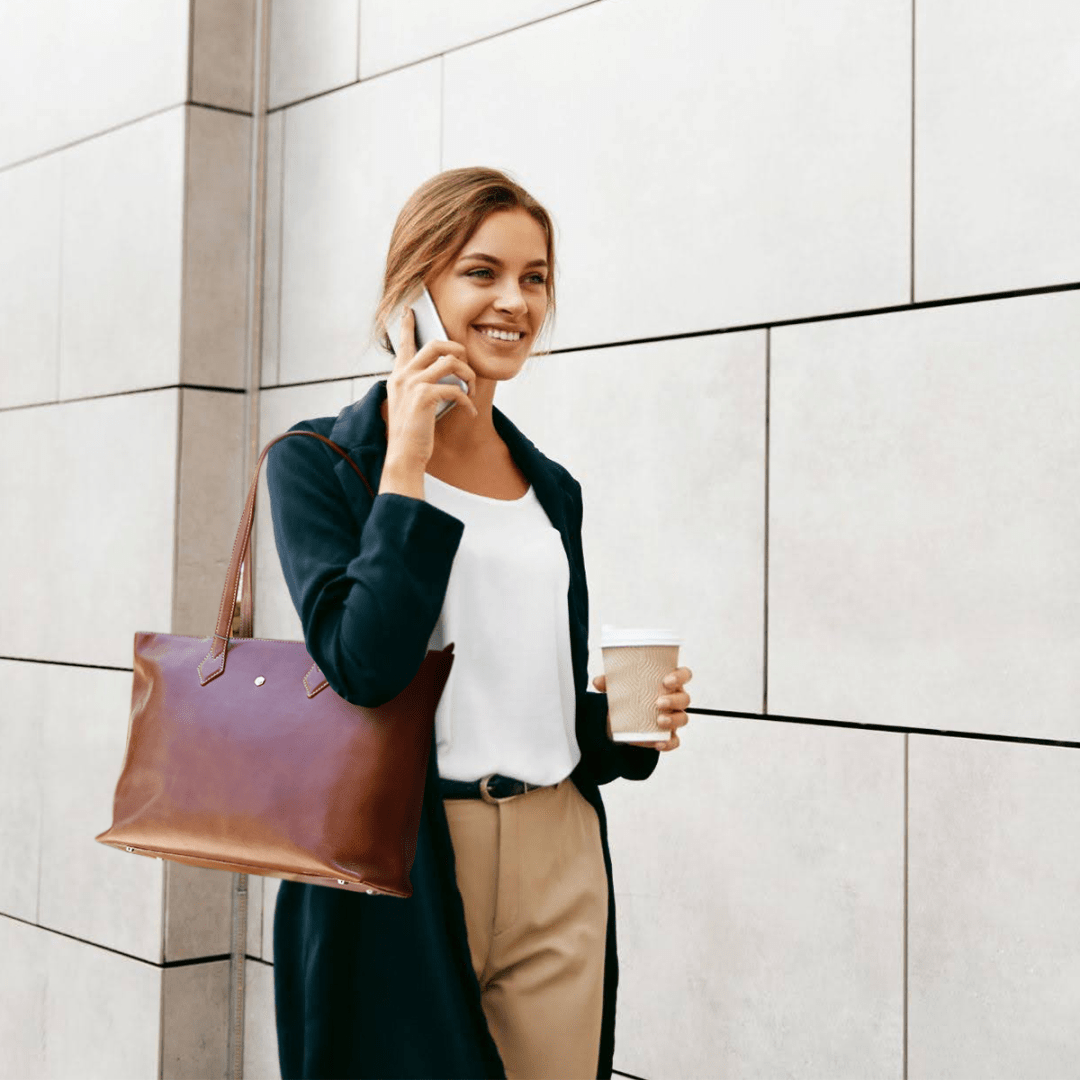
[(288, 456)]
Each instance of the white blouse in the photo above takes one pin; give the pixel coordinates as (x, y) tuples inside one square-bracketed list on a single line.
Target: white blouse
[(509, 704)]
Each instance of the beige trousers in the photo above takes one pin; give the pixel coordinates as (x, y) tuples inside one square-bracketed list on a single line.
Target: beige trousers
[(532, 879)]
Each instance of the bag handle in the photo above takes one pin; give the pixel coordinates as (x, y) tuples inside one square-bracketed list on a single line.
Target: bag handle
[(213, 664)]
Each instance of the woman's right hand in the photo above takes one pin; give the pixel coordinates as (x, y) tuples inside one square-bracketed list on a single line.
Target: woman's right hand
[(413, 392)]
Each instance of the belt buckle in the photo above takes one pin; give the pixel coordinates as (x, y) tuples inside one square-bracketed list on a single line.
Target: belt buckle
[(489, 798), (486, 795)]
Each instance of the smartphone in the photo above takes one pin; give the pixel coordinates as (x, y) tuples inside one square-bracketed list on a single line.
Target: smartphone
[(429, 327)]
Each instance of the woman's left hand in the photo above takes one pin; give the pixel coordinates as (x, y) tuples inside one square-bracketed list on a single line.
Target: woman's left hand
[(670, 705)]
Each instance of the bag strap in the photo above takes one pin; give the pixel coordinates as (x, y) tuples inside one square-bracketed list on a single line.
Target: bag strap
[(213, 664)]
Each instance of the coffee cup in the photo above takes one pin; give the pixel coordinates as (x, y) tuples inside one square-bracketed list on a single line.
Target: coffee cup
[(636, 661)]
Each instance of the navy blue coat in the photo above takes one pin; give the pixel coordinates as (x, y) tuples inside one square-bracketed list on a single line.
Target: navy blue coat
[(378, 986)]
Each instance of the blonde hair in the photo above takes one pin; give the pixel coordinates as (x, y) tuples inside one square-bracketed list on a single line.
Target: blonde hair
[(435, 224)]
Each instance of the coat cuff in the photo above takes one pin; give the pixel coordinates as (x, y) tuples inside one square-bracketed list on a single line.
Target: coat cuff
[(609, 760)]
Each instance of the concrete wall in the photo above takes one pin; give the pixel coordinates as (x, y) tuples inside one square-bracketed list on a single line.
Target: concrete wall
[(815, 370), (124, 231)]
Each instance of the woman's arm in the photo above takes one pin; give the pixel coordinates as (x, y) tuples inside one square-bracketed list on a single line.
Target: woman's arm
[(368, 596)]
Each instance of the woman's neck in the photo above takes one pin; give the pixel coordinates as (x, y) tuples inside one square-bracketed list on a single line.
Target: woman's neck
[(459, 434)]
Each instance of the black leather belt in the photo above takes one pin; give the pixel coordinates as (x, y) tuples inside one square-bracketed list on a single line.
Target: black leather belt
[(492, 788)]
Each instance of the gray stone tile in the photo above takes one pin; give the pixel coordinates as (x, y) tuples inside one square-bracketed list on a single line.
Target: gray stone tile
[(312, 47), (24, 982), (255, 916), (223, 53), (195, 1021), (216, 248), (30, 281), (759, 876), (88, 890), (83, 77), (260, 1031), (210, 501), (198, 912), (71, 1009), (271, 286), (994, 963), (996, 147), (21, 767), (922, 519), (270, 892), (92, 559), (123, 221)]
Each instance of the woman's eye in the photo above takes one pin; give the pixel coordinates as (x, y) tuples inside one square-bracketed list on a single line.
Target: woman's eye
[(538, 278)]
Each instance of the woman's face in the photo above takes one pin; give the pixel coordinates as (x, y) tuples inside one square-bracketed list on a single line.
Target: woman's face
[(497, 281)]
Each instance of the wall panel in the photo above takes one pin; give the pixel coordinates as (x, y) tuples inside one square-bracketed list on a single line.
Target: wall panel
[(90, 558), (312, 48), (260, 1031), (21, 767), (997, 146), (994, 967), (223, 53), (759, 876), (67, 74), (89, 890), (217, 228), (923, 527), (123, 220), (70, 1009), (30, 281)]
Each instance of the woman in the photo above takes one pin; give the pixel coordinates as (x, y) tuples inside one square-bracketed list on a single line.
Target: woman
[(503, 961)]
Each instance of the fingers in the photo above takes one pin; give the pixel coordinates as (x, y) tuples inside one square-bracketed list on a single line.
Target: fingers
[(438, 349), (450, 365), (406, 336), (672, 720), (461, 397), (673, 701), (678, 677), (600, 682), (671, 744)]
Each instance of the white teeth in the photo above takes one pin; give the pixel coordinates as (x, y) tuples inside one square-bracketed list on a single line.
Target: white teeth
[(501, 335)]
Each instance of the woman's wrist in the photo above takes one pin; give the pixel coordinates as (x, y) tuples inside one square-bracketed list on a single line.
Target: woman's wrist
[(402, 478)]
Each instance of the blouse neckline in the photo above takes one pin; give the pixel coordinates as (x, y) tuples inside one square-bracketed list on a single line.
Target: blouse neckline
[(482, 498)]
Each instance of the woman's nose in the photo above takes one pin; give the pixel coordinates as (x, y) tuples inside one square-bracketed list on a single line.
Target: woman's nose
[(510, 299)]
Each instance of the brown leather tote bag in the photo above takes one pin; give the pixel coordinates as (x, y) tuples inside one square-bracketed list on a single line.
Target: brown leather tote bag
[(241, 757)]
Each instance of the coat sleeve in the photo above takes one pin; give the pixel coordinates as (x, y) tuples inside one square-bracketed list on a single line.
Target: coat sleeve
[(368, 586), (605, 759)]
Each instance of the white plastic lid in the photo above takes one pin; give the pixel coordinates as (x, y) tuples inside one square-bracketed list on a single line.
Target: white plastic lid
[(613, 637)]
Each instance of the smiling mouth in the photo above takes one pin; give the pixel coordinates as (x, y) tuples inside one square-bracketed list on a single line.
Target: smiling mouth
[(501, 336)]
